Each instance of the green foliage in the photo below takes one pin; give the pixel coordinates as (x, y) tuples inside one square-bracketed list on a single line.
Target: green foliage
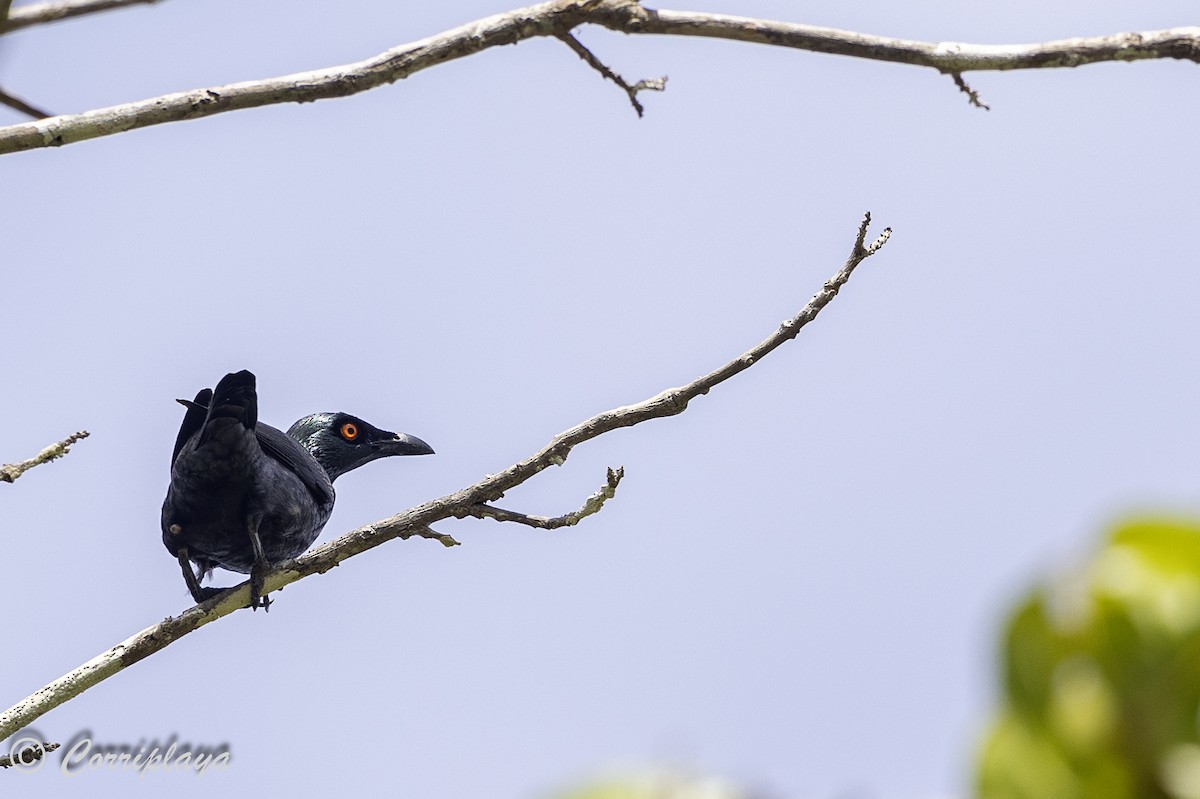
[(1102, 677)]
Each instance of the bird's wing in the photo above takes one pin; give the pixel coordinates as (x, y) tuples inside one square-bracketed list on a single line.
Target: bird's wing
[(193, 420), (287, 450)]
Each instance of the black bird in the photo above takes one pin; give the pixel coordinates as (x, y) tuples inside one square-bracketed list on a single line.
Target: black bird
[(245, 496)]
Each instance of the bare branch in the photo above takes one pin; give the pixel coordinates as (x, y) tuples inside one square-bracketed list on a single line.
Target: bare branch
[(28, 755), (145, 643), (17, 104), (415, 521), (947, 57), (432, 535), (559, 17), (657, 85), (972, 95), (11, 471), (591, 505), (39, 13)]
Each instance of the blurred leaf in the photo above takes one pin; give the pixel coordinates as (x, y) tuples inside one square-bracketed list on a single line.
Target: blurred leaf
[(1021, 761), (1102, 676), (656, 784)]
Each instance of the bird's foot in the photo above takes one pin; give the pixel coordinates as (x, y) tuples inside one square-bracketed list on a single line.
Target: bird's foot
[(198, 592), (203, 594), (260, 566), (257, 597)]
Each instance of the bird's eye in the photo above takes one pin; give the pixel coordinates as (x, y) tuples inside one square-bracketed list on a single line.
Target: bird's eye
[(349, 431)]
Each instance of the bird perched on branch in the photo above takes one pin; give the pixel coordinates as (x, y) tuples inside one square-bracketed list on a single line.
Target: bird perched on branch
[(245, 496)]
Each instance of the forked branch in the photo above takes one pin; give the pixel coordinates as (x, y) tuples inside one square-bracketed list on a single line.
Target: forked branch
[(416, 521), (591, 505), (558, 18), (655, 85)]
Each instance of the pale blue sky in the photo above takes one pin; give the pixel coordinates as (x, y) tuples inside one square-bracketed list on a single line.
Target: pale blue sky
[(800, 582)]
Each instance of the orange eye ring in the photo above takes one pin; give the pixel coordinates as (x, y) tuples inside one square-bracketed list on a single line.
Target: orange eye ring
[(349, 431)]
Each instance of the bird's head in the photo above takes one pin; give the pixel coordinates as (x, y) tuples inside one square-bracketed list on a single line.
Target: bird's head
[(341, 442)]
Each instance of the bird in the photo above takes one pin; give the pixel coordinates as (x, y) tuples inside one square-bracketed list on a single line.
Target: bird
[(246, 496)]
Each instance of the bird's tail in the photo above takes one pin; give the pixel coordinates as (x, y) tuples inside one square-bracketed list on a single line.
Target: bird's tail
[(193, 420), (234, 400)]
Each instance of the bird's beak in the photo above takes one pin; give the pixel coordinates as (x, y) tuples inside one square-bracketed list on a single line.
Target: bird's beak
[(402, 444)]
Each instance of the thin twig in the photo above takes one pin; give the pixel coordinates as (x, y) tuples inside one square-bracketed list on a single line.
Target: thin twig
[(972, 95), (657, 85), (17, 104), (28, 755), (416, 521), (591, 505), (558, 17), (40, 13), (432, 535), (11, 471)]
